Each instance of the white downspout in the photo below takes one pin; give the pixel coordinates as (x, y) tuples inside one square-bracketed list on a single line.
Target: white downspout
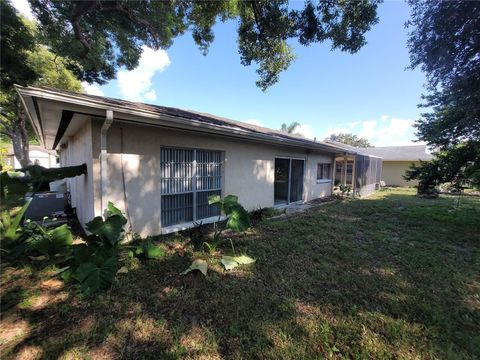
[(103, 158)]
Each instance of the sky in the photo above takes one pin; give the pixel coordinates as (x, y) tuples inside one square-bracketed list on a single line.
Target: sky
[(371, 93)]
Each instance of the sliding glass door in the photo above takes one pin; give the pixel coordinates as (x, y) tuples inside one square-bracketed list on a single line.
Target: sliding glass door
[(288, 183)]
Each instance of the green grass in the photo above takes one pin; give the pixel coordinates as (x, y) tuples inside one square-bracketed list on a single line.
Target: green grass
[(390, 276)]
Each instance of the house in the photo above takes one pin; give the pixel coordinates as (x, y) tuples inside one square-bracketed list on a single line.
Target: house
[(397, 160), (38, 156), (160, 164)]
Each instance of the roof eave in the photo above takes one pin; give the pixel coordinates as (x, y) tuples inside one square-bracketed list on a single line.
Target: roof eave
[(146, 116)]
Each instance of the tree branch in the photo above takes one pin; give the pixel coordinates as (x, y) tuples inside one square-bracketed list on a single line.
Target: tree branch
[(134, 18), (257, 17), (79, 10)]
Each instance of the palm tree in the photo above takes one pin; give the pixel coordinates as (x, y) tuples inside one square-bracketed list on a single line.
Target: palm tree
[(290, 129)]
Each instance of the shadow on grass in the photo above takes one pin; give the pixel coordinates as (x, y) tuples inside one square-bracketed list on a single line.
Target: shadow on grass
[(384, 277)]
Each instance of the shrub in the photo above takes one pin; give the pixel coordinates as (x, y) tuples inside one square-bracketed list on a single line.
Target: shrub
[(95, 263), (197, 234)]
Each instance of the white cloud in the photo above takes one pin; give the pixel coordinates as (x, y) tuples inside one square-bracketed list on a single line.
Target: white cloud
[(136, 84), (305, 130), (388, 132), (384, 131), (253, 122), (92, 89), (150, 95), (23, 7)]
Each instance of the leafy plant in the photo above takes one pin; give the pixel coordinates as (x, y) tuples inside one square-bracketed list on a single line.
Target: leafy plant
[(345, 189), (197, 234), (231, 262), (48, 242), (10, 230), (198, 264), (95, 263), (148, 249), (13, 187), (257, 215), (237, 218)]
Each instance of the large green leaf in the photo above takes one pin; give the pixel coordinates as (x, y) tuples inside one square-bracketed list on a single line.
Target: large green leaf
[(215, 200), (231, 262), (244, 259), (229, 203), (55, 241), (82, 252), (200, 265), (238, 219), (11, 224), (94, 278), (149, 250), (111, 210), (109, 229)]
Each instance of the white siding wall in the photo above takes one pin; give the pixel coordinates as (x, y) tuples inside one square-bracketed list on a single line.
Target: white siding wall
[(248, 170), (78, 150)]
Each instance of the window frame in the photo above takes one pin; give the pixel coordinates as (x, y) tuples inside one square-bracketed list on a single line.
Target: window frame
[(194, 183), (321, 173)]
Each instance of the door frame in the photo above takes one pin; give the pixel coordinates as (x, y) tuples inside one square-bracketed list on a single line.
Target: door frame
[(290, 158)]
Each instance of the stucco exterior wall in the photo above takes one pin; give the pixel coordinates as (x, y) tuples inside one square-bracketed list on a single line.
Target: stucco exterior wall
[(248, 169), (393, 171), (78, 150)]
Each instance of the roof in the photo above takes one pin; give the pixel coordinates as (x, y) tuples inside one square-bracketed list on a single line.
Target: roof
[(55, 103), (32, 148), (354, 149), (400, 153)]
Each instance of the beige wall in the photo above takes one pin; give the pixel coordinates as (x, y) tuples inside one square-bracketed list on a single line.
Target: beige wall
[(78, 150), (393, 171), (248, 170)]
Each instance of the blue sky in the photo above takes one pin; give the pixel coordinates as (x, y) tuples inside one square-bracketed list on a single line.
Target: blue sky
[(369, 93)]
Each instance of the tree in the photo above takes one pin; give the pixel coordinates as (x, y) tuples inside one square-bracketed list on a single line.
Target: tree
[(35, 66), (290, 129), (15, 42), (349, 139), (445, 44), (96, 37)]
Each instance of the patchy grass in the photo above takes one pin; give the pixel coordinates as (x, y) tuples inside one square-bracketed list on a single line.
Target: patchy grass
[(390, 276)]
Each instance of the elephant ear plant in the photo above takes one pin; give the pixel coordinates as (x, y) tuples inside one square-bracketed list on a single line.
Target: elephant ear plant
[(237, 220), (95, 262)]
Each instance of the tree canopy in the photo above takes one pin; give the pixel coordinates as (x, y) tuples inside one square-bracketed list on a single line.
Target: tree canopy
[(96, 37), (349, 139), (444, 42), (25, 63), (290, 129), (15, 42)]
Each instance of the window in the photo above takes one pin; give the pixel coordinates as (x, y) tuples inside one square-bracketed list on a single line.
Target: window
[(324, 171), (188, 178)]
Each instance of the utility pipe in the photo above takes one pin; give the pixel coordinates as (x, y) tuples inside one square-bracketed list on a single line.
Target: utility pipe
[(103, 157)]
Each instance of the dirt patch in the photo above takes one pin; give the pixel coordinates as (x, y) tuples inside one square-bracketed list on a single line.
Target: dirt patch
[(11, 329)]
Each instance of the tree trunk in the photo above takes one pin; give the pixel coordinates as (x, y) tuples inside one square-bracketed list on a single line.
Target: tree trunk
[(19, 136)]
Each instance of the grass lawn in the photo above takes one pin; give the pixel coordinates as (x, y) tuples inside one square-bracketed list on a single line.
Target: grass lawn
[(390, 276)]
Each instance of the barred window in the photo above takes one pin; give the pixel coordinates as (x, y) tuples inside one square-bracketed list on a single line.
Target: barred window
[(188, 178)]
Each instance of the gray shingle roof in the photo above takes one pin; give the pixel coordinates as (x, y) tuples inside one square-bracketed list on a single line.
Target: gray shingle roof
[(203, 117), (400, 153)]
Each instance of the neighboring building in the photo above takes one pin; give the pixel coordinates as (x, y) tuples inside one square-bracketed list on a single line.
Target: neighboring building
[(160, 164), (397, 160), (38, 155)]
